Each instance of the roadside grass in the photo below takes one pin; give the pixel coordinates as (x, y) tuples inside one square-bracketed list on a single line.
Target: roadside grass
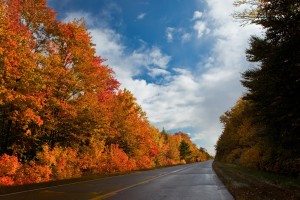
[(249, 184)]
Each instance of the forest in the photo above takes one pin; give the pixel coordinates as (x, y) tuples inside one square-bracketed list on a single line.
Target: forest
[(262, 130), (62, 112)]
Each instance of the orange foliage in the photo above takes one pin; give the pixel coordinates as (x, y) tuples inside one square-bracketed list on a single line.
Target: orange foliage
[(6, 180), (13, 172), (145, 162), (62, 161), (117, 160), (20, 98), (33, 173), (8, 168), (8, 165), (92, 159)]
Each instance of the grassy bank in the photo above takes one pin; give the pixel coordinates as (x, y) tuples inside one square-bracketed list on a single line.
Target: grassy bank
[(249, 184)]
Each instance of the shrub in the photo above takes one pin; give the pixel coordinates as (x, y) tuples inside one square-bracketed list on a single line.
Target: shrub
[(8, 165), (63, 161), (33, 173)]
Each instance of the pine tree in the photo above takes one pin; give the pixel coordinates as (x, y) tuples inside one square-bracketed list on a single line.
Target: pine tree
[(274, 86)]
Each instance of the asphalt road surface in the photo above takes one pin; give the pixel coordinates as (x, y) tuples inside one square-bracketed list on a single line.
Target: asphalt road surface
[(195, 181)]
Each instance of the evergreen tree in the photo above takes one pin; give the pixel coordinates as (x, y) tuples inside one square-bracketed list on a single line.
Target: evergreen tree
[(184, 150)]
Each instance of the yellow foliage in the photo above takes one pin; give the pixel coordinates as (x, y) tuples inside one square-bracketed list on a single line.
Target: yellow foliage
[(251, 157), (62, 161)]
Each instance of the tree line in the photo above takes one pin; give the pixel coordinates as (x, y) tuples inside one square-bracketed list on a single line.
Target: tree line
[(262, 130), (62, 113)]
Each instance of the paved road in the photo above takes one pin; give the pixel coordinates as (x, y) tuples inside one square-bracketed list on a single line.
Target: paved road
[(185, 182)]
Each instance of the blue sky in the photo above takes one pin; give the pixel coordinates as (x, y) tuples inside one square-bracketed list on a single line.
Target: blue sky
[(182, 59)]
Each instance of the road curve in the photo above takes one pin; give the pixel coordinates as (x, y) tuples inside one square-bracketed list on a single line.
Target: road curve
[(184, 182)]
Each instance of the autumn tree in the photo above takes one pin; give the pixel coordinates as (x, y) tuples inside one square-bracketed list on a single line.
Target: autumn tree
[(54, 88), (131, 130), (240, 141), (20, 94)]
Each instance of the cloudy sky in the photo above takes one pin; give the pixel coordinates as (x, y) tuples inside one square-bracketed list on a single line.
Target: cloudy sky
[(182, 59)]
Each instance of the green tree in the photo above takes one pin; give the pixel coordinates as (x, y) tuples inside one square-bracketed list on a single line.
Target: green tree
[(184, 149)]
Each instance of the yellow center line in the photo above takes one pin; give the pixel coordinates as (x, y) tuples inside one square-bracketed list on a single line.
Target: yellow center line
[(134, 185)]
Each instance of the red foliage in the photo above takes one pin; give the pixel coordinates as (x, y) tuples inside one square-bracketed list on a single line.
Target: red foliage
[(33, 173), (8, 168), (6, 180), (62, 161), (92, 158), (8, 165), (117, 160)]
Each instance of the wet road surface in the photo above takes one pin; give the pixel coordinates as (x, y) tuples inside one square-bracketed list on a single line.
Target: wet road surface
[(184, 182)]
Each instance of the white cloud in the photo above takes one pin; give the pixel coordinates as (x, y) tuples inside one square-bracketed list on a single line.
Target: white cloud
[(186, 37), (169, 32), (173, 104), (158, 58), (200, 27), (129, 64), (199, 136), (158, 72), (141, 16), (197, 15), (180, 34)]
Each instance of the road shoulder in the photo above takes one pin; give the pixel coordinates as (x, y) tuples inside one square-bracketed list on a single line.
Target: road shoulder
[(247, 184)]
